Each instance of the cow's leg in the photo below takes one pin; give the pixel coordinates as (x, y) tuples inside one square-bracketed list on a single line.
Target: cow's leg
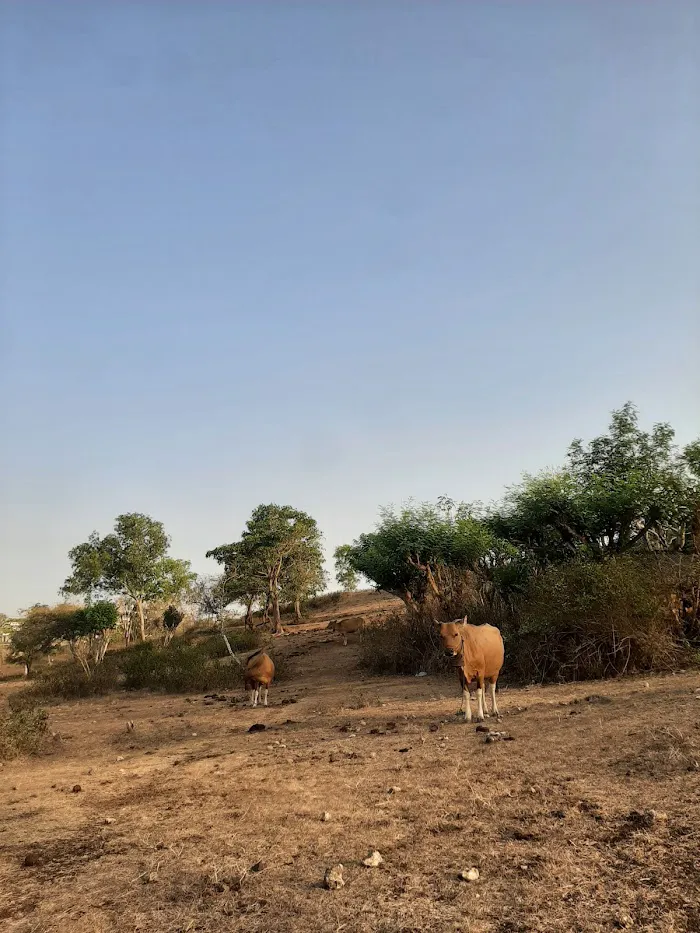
[(255, 695), (465, 707), (345, 641), (264, 696), (494, 705), (480, 700), (250, 696)]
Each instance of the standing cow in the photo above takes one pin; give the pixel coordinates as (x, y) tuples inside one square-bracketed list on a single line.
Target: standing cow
[(477, 651), (259, 674), (348, 626)]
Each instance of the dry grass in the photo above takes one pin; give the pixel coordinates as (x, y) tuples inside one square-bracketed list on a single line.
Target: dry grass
[(190, 823)]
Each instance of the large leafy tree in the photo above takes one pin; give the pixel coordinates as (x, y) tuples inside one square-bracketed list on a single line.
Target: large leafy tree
[(132, 561), (88, 630), (279, 544), (37, 634), (627, 488), (427, 553), (242, 580), (345, 573)]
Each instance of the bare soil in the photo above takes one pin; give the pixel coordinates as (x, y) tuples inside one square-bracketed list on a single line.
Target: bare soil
[(588, 820)]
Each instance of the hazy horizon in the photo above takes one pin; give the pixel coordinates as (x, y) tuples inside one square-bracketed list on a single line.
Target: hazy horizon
[(331, 256)]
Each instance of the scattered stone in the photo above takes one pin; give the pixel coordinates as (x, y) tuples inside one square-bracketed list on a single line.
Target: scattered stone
[(472, 874), (333, 879), (421, 674), (259, 866), (257, 727), (434, 727), (644, 819), (108, 820), (596, 698), (76, 788), (373, 860), (391, 726), (31, 859), (394, 790), (404, 750), (482, 728), (498, 737), (325, 817), (624, 922), (120, 758), (130, 726)]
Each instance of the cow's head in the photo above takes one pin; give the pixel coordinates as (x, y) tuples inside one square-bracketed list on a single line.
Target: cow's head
[(451, 636)]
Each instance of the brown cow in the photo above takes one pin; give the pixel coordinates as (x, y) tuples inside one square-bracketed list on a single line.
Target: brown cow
[(259, 674), (348, 626), (477, 651)]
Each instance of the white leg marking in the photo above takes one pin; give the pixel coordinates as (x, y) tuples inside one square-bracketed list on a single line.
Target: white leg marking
[(345, 640), (494, 705), (264, 696), (468, 708), (255, 696), (480, 704)]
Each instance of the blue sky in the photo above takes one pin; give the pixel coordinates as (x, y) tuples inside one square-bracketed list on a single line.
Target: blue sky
[(331, 254)]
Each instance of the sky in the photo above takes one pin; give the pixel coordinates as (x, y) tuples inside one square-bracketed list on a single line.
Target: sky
[(331, 254)]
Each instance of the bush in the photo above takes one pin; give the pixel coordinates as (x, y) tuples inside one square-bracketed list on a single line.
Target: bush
[(22, 732), (176, 669), (66, 682), (578, 621), (403, 643), (586, 620)]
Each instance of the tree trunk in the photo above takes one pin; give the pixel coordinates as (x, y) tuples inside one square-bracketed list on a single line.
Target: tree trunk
[(297, 609), (248, 622), (278, 630), (142, 619)]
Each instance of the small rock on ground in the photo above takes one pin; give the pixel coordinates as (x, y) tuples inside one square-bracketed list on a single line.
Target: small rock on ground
[(333, 879), (471, 874), (373, 860)]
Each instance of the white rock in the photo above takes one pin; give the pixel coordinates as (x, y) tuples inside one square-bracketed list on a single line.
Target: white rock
[(471, 874), (373, 860)]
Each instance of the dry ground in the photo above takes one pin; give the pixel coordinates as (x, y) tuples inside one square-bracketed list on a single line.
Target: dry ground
[(190, 823)]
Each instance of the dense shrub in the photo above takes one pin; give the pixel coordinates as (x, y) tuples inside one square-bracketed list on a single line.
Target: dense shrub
[(576, 621), (176, 669), (66, 681), (585, 620), (22, 732), (403, 643)]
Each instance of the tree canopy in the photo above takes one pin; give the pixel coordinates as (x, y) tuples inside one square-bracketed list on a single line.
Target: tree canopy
[(132, 561), (279, 553)]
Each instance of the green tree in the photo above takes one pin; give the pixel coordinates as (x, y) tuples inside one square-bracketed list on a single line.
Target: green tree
[(88, 630), (132, 561), (625, 489), (36, 635), (243, 580), (345, 573), (277, 539), (304, 577), (428, 553)]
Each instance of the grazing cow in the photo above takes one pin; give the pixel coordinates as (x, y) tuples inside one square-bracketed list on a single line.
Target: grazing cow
[(259, 674), (348, 626), (477, 651)]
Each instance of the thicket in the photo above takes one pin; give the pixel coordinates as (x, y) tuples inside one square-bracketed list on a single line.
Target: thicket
[(589, 571)]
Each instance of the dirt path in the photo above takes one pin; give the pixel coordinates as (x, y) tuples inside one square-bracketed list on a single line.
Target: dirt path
[(191, 823)]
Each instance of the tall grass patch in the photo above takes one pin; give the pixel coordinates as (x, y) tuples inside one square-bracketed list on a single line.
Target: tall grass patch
[(22, 732)]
